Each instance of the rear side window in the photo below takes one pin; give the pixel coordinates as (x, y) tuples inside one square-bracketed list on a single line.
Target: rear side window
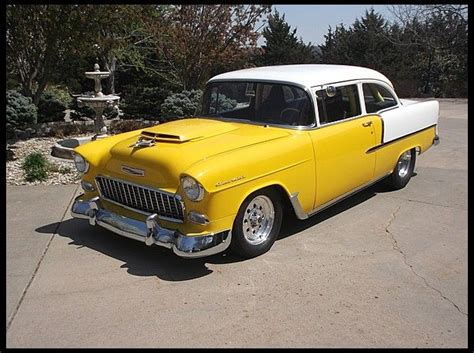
[(338, 103), (377, 97)]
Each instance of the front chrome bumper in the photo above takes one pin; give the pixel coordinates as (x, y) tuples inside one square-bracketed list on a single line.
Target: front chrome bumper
[(149, 231)]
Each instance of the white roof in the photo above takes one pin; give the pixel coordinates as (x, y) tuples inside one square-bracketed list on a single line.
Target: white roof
[(306, 75)]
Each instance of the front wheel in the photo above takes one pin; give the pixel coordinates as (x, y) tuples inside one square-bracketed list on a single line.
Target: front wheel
[(257, 224), (403, 170)]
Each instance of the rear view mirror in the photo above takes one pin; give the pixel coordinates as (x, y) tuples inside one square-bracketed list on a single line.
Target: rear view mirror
[(330, 91)]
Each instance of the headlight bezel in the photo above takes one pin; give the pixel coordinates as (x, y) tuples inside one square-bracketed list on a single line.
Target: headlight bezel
[(199, 189), (81, 160)]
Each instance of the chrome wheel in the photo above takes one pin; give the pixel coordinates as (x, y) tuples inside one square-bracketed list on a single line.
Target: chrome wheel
[(258, 220), (403, 165)]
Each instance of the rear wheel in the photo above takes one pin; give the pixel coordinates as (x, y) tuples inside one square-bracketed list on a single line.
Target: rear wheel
[(403, 170), (257, 224)]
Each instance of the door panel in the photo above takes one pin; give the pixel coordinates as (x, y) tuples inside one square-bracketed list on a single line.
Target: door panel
[(342, 163)]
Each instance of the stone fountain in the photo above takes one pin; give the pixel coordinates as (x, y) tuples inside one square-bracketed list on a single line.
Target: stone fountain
[(98, 102)]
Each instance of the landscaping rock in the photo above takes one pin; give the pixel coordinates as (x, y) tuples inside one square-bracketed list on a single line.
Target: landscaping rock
[(10, 154), (63, 171), (30, 131)]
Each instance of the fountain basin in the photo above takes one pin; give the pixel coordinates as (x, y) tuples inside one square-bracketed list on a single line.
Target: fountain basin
[(64, 148), (93, 74), (99, 102)]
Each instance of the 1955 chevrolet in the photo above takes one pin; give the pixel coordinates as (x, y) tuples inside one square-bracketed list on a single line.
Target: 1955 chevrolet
[(296, 136)]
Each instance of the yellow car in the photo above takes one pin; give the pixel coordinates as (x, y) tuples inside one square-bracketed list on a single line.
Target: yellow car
[(295, 136)]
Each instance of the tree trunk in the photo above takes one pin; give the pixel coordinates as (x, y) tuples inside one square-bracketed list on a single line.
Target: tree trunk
[(39, 91), (428, 88), (111, 79)]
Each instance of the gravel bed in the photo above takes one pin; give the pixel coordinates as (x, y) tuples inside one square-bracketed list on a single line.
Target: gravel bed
[(65, 171)]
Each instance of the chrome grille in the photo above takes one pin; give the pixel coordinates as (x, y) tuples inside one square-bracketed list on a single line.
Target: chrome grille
[(141, 198)]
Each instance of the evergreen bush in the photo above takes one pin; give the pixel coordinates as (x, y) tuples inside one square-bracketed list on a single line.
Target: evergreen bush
[(52, 104), (21, 112), (142, 102), (181, 104)]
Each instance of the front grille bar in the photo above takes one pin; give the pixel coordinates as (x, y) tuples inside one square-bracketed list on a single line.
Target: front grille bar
[(141, 198)]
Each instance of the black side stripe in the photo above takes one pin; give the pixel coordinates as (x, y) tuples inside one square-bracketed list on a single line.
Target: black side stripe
[(397, 139)]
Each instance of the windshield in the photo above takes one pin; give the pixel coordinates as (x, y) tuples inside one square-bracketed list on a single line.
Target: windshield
[(269, 103)]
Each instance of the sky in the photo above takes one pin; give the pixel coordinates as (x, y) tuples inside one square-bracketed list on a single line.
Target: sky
[(312, 21)]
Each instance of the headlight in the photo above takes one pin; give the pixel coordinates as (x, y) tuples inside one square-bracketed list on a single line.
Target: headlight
[(193, 190), (81, 164)]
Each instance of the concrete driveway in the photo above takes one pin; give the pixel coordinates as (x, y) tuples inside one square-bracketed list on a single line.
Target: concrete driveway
[(380, 269)]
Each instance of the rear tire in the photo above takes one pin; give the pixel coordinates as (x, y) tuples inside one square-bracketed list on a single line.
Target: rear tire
[(257, 224), (403, 170)]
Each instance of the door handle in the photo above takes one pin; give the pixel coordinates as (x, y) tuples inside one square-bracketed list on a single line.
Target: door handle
[(367, 124)]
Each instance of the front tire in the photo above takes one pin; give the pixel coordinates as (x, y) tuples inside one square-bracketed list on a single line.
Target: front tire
[(257, 223), (403, 170)]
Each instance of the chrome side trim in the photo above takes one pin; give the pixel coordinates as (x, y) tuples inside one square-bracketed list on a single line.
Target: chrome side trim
[(383, 144), (150, 232), (302, 215), (297, 206), (345, 120)]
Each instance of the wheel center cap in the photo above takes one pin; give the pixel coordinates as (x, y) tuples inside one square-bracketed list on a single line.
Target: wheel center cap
[(255, 219)]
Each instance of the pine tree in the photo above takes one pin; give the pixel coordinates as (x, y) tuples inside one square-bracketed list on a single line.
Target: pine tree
[(282, 45)]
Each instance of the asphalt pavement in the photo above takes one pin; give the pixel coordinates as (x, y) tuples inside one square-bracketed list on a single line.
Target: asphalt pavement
[(380, 269)]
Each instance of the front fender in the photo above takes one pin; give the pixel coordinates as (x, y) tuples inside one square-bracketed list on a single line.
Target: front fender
[(229, 178)]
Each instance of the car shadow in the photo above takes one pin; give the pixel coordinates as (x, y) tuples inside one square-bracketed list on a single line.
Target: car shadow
[(141, 260), (291, 225)]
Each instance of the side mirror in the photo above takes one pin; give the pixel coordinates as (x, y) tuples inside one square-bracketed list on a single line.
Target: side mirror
[(330, 91)]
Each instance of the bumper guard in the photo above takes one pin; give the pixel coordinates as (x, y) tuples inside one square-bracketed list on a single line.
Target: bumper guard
[(149, 231)]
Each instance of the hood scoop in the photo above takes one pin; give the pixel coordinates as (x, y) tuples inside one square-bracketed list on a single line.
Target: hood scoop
[(148, 139), (149, 135), (184, 130)]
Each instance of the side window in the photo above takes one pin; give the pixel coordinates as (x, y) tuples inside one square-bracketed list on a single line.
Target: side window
[(377, 97), (341, 103)]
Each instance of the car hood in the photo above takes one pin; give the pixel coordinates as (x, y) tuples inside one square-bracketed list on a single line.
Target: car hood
[(180, 144)]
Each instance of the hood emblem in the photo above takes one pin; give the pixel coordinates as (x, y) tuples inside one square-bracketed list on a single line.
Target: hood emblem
[(142, 142), (133, 171)]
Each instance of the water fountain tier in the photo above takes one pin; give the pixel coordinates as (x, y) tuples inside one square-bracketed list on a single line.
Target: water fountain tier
[(97, 76)]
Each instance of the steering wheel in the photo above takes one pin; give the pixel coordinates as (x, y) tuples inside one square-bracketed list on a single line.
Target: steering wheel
[(290, 120)]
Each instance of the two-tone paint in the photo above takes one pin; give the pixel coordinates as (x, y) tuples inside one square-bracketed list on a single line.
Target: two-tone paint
[(312, 167)]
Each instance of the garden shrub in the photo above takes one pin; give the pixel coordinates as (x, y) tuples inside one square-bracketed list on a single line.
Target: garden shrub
[(35, 167), (52, 104), (120, 126), (142, 102), (21, 112), (181, 104)]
